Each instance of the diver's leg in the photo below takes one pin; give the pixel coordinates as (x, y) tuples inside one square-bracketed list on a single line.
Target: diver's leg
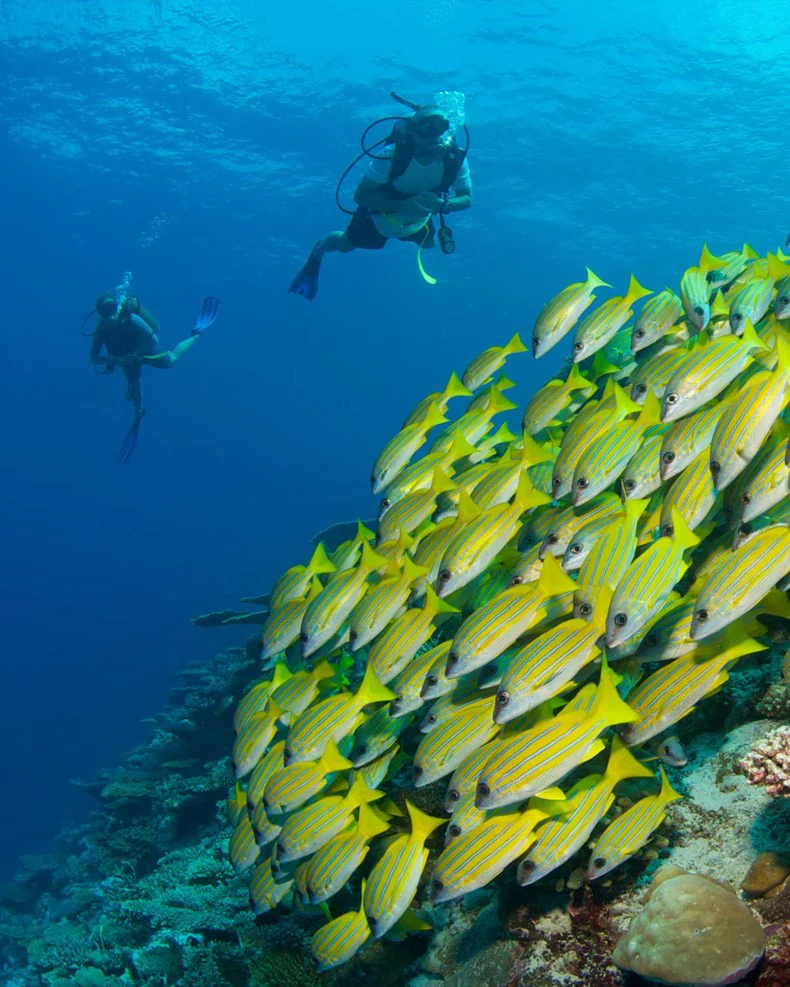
[(334, 242), (134, 389), (181, 348)]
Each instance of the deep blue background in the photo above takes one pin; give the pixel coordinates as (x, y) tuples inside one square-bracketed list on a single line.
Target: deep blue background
[(601, 137)]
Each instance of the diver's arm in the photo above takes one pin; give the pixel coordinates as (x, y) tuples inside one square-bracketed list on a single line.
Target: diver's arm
[(98, 358), (456, 203), (145, 336), (462, 187), (371, 195)]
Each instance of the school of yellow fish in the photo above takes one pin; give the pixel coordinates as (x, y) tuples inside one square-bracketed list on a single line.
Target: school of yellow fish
[(528, 603)]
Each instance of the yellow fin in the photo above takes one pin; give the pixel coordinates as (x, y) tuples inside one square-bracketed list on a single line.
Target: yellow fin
[(622, 764), (682, 534), (359, 794), (455, 388), (608, 706), (434, 605), (667, 793), (635, 291), (514, 345), (441, 481), (370, 822), (551, 794), (422, 825), (332, 760), (593, 281), (371, 690), (370, 560), (552, 581), (527, 496), (750, 338), (320, 561)]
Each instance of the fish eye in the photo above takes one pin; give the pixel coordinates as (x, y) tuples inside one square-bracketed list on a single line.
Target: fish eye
[(444, 576), (386, 502), (363, 747), (353, 635), (502, 698), (736, 316), (667, 530), (578, 347), (585, 609), (431, 680), (453, 794), (303, 637), (582, 482), (417, 771), (373, 479), (599, 862), (528, 865), (699, 310), (516, 581), (555, 482), (702, 616), (452, 658), (629, 484), (454, 830), (641, 388), (639, 333), (551, 539), (372, 921), (715, 467), (668, 457), (784, 300), (620, 619), (483, 790), (430, 718), (437, 886), (671, 398), (397, 700), (746, 499), (575, 548)]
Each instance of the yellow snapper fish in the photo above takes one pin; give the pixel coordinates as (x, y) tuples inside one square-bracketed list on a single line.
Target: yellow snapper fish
[(656, 372), (337, 941), (310, 827), (472, 549), (489, 446), (646, 585), (265, 830), (741, 579), (657, 319), (552, 399), (244, 851), (465, 816), (630, 831), (751, 300), (464, 779), (441, 751), (685, 439), (501, 481), (332, 718), (479, 855), (392, 653), (692, 495), (588, 802), (583, 540), (707, 370), (767, 482), (465, 697), (376, 771), (415, 508), (695, 289), (271, 761), (732, 265), (548, 664), (331, 867), (743, 428), (642, 474), (672, 691), (596, 329), (488, 631), (473, 425), (533, 761), (604, 460), (670, 636), (382, 603), (571, 520), (378, 734), (559, 315), (283, 625), (528, 567), (347, 554), (436, 683), (408, 683), (330, 608), (485, 365), (266, 893), (392, 884), (452, 389), (254, 701), (290, 787), (295, 695), (399, 450), (295, 582), (253, 739)]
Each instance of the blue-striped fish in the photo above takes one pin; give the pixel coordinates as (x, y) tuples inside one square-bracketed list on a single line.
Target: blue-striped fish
[(692, 495), (337, 941), (501, 481), (414, 508), (397, 453), (707, 370), (265, 830), (596, 329), (378, 734), (488, 631), (464, 778), (588, 802), (480, 854), (392, 652), (485, 365), (559, 315), (441, 751), (477, 422), (331, 718), (271, 761), (656, 372), (750, 301), (283, 625), (685, 439), (254, 701), (642, 474), (266, 893), (244, 851), (290, 787), (695, 289), (767, 481), (330, 608), (571, 520), (452, 389), (473, 548), (254, 737), (295, 582), (393, 881), (331, 867), (310, 827), (299, 691), (741, 579), (436, 682), (646, 585), (528, 568), (657, 318), (407, 685), (382, 603), (535, 760), (630, 831), (672, 691), (552, 399)]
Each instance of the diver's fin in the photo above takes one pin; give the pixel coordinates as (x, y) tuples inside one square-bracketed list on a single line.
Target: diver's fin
[(207, 314), (306, 281), (130, 442)]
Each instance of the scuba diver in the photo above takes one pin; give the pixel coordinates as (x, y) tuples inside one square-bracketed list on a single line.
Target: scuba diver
[(421, 171), (128, 334)]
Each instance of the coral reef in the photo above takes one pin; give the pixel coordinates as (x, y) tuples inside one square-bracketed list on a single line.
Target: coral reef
[(768, 762)]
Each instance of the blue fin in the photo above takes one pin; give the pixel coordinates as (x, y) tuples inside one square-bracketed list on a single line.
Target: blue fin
[(130, 442), (208, 314), (306, 281)]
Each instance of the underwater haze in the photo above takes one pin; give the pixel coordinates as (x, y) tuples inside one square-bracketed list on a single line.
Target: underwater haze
[(197, 145)]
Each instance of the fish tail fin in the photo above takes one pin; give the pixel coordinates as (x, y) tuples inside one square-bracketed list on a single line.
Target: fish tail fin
[(435, 605), (332, 760), (782, 346), (320, 561), (707, 261), (735, 645), (601, 608), (651, 411), (576, 381), (552, 581), (467, 508), (455, 388), (514, 345), (532, 452), (441, 481), (750, 338), (281, 674), (636, 291), (749, 252), (527, 496), (315, 588), (593, 281), (608, 706), (433, 416), (497, 401), (601, 365), (622, 763), (363, 533), (370, 823), (460, 446), (360, 794), (623, 405), (504, 383), (777, 269), (324, 670), (422, 825), (683, 535), (667, 793), (411, 571), (775, 603), (371, 690), (370, 560)]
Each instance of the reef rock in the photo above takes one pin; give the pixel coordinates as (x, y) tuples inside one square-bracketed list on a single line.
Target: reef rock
[(692, 930)]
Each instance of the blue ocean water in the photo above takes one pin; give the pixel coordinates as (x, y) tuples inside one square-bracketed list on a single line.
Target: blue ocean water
[(197, 146)]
